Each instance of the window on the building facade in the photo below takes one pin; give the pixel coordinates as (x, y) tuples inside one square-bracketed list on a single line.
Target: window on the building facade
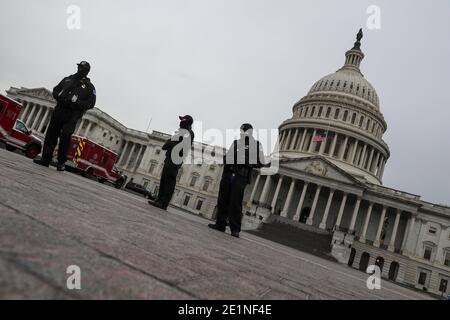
[(422, 278), (432, 230), (344, 118), (353, 118), (447, 258), (193, 181), (187, 198), (199, 204), (336, 113), (320, 111), (443, 284), (427, 253), (328, 112), (206, 185), (152, 167)]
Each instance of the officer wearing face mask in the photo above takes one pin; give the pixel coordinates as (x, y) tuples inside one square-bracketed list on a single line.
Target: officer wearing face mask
[(74, 95), (243, 156), (177, 148)]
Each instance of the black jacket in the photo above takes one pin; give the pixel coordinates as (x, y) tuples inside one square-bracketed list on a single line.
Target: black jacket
[(75, 94), (243, 156), (178, 138)]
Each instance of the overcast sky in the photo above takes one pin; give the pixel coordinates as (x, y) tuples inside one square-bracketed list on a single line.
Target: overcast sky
[(226, 62)]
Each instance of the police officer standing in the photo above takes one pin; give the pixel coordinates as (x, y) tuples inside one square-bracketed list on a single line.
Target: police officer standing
[(243, 156), (177, 148), (74, 95)]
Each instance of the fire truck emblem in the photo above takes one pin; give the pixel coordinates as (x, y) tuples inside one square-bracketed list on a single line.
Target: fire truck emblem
[(79, 150)]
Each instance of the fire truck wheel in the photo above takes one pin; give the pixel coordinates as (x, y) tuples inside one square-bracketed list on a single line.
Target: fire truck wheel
[(119, 183), (32, 152), (89, 173), (10, 148)]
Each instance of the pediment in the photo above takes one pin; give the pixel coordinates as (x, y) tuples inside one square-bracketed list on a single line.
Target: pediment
[(41, 93), (318, 166)]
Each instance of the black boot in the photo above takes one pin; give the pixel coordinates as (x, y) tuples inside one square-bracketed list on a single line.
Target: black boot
[(235, 234), (61, 167), (42, 162), (215, 226)]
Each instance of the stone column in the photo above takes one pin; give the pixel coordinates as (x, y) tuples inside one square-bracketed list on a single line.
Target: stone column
[(412, 221), (343, 147), (382, 168), (30, 116), (25, 109), (288, 199), (323, 224), (355, 215), (375, 162), (369, 163), (333, 146), (288, 139), (36, 119), (255, 187), (341, 211), (314, 205), (44, 119), (280, 139), (127, 163), (300, 202), (291, 146), (310, 149), (363, 155), (122, 152), (88, 129), (366, 223), (277, 191), (380, 227), (302, 142), (81, 127), (140, 153), (355, 147), (265, 190), (391, 246)]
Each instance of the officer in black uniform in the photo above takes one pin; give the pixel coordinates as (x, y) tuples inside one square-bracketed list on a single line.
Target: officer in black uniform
[(177, 148), (243, 156), (74, 95)]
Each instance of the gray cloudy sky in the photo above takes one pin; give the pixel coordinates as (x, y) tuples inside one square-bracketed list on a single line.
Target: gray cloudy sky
[(233, 61)]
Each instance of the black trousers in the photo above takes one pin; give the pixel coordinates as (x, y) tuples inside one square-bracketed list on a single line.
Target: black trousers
[(62, 125), (167, 184), (229, 203)]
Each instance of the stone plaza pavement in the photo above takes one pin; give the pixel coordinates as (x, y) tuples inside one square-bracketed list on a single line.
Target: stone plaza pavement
[(129, 250)]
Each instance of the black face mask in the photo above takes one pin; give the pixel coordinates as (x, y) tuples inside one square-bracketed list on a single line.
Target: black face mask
[(81, 73), (184, 125)]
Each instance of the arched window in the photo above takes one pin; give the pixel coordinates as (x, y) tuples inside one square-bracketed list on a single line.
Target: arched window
[(367, 124), (361, 120), (194, 179), (336, 113), (206, 183), (353, 118), (344, 118), (328, 112), (320, 111), (313, 110)]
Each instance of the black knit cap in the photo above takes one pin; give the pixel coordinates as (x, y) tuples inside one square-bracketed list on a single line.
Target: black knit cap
[(246, 126)]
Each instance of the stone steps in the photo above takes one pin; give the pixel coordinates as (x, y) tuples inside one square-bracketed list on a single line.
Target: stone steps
[(318, 244)]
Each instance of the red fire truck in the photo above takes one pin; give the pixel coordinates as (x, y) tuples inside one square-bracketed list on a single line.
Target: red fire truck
[(13, 132), (94, 160)]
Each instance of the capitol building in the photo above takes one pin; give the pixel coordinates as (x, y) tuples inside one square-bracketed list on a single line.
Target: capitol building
[(329, 183)]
